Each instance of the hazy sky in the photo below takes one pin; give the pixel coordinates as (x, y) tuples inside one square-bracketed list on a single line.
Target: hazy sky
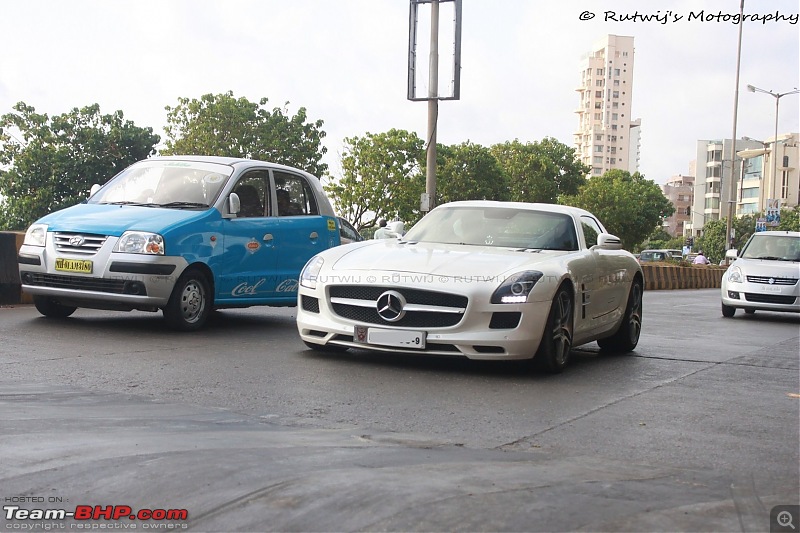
[(345, 61)]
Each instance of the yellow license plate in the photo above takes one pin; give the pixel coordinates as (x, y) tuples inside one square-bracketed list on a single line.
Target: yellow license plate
[(82, 266)]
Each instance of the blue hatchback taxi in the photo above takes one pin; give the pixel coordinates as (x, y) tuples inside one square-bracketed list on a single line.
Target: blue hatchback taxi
[(183, 234)]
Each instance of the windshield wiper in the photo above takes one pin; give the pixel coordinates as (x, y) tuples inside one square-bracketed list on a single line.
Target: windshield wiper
[(122, 203), (182, 204), (770, 258)]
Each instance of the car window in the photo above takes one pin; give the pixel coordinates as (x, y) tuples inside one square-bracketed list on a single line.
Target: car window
[(781, 248), (294, 195), (591, 229), (252, 191), (501, 227)]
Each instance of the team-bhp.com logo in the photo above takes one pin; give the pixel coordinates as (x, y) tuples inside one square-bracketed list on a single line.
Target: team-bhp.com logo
[(95, 512)]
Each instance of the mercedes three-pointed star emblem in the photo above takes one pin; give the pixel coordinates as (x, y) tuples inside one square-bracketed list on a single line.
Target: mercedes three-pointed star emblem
[(391, 306)]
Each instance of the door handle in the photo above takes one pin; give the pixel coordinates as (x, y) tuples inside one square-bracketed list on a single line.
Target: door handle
[(267, 237), (314, 235)]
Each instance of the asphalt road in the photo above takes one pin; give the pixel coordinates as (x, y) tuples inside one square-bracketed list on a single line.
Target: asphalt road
[(246, 430)]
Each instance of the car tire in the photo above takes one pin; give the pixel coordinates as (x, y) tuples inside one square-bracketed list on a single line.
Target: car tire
[(627, 336), (554, 350), (329, 348), (49, 307), (189, 305), (728, 311)]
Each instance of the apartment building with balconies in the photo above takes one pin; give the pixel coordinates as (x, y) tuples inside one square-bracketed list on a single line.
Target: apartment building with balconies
[(607, 137), (680, 191)]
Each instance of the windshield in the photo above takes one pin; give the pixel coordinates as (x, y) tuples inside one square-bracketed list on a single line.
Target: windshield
[(175, 184), (773, 247), (496, 226)]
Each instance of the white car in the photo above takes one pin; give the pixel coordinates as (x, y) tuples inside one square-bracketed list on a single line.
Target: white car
[(479, 279), (764, 276)]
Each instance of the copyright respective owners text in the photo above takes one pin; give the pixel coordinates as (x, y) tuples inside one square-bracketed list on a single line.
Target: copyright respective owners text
[(669, 16), (53, 513)]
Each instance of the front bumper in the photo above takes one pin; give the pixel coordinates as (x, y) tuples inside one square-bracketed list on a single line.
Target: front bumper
[(485, 331), (116, 281)]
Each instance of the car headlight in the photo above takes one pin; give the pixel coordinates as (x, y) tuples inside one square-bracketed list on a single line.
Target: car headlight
[(516, 288), (308, 277), (140, 242), (735, 274), (36, 235)]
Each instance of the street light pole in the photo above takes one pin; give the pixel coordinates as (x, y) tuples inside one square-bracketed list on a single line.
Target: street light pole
[(732, 187), (774, 154)]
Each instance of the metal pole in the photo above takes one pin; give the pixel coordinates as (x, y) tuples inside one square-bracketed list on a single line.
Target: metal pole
[(775, 149), (433, 106), (732, 188)]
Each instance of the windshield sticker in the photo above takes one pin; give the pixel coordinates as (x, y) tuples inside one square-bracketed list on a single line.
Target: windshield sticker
[(213, 178)]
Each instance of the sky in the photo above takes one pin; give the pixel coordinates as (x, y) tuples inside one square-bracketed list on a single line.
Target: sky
[(346, 62)]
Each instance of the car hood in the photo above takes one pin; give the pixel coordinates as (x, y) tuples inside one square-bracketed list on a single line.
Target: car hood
[(440, 259), (768, 268), (114, 220)]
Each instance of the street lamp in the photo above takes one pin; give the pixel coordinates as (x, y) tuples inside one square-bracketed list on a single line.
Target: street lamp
[(777, 96)]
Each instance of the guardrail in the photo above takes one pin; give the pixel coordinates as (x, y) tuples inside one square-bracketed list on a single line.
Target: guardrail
[(666, 277)]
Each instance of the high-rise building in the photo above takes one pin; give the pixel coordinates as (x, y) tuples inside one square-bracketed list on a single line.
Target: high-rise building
[(607, 137), (680, 191)]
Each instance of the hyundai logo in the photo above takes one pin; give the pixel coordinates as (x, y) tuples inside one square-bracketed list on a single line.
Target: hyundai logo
[(76, 241), (391, 305)]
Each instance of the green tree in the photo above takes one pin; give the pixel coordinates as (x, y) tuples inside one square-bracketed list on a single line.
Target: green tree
[(381, 178), (712, 242), (220, 124), (790, 219), (469, 171), (540, 171), (628, 205), (49, 164)]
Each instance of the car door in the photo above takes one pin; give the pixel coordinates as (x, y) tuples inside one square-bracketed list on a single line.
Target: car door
[(302, 231), (250, 255), (611, 288)]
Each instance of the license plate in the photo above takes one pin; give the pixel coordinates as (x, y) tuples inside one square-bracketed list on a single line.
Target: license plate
[(399, 338), (82, 266), (770, 288)]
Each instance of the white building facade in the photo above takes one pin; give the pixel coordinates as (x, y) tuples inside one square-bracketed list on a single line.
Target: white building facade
[(607, 137)]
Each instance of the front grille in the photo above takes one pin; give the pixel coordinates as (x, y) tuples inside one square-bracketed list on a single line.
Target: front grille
[(772, 280), (75, 282), (412, 296), (412, 319), (367, 313), (769, 298), (82, 243)]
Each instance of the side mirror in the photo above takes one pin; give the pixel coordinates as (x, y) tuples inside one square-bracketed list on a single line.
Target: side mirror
[(234, 204), (607, 241), (733, 253), (96, 187)]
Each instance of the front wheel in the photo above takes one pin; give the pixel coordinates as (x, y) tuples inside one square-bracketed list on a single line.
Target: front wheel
[(49, 307), (728, 311), (189, 306), (627, 336), (554, 350)]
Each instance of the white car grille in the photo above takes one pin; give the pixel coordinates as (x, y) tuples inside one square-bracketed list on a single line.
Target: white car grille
[(78, 243)]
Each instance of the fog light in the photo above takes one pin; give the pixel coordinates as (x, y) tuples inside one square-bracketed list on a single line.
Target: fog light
[(733, 295)]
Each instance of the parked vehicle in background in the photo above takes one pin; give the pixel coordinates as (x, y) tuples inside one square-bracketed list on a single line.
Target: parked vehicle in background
[(183, 234), (478, 279), (764, 276)]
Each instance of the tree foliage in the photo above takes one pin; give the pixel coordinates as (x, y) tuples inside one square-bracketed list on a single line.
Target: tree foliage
[(220, 124), (628, 205), (469, 171), (49, 164), (540, 171), (381, 178)]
